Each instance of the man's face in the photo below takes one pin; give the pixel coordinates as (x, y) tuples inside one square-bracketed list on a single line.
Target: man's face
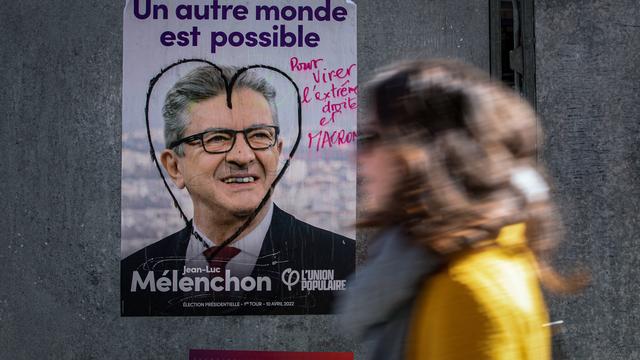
[(211, 178)]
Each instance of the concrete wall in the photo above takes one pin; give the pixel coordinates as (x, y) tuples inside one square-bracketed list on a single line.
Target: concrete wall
[(60, 131), (588, 84)]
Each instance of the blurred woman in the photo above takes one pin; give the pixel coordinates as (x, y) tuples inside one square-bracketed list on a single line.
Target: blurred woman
[(450, 180)]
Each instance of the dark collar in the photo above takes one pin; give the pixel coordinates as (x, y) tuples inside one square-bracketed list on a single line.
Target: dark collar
[(278, 244), (183, 237)]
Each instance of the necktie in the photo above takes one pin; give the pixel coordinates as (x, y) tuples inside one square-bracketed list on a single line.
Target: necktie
[(222, 258)]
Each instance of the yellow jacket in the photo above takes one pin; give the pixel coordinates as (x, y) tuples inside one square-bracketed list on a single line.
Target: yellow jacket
[(486, 304)]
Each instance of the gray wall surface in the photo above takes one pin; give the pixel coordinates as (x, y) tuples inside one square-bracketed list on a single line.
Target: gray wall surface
[(60, 136), (588, 84)]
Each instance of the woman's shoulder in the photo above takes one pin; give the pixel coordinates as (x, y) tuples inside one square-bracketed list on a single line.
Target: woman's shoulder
[(499, 276), (484, 302), (494, 278)]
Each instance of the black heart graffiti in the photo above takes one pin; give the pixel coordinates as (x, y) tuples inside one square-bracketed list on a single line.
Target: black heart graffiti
[(229, 83)]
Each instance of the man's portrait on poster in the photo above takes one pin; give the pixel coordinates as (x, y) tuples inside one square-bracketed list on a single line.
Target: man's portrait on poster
[(223, 145)]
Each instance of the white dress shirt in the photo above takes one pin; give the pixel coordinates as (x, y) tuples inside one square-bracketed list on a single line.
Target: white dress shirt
[(240, 265)]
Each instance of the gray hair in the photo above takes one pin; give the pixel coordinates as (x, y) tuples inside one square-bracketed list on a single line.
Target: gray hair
[(201, 84)]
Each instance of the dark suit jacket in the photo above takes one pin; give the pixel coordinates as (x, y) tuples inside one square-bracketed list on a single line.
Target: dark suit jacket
[(289, 244)]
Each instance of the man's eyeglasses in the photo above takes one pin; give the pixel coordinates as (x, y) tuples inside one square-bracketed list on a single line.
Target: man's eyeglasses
[(218, 141)]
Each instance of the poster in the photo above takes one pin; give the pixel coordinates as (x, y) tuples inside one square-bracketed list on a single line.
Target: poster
[(238, 156)]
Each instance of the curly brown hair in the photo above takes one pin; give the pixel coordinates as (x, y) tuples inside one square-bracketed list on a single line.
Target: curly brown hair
[(460, 139)]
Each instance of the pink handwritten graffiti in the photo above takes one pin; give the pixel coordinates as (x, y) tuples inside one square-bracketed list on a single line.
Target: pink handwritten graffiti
[(334, 90), (297, 65), (323, 138)]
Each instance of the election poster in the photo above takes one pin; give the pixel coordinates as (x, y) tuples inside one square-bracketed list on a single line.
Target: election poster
[(238, 156)]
